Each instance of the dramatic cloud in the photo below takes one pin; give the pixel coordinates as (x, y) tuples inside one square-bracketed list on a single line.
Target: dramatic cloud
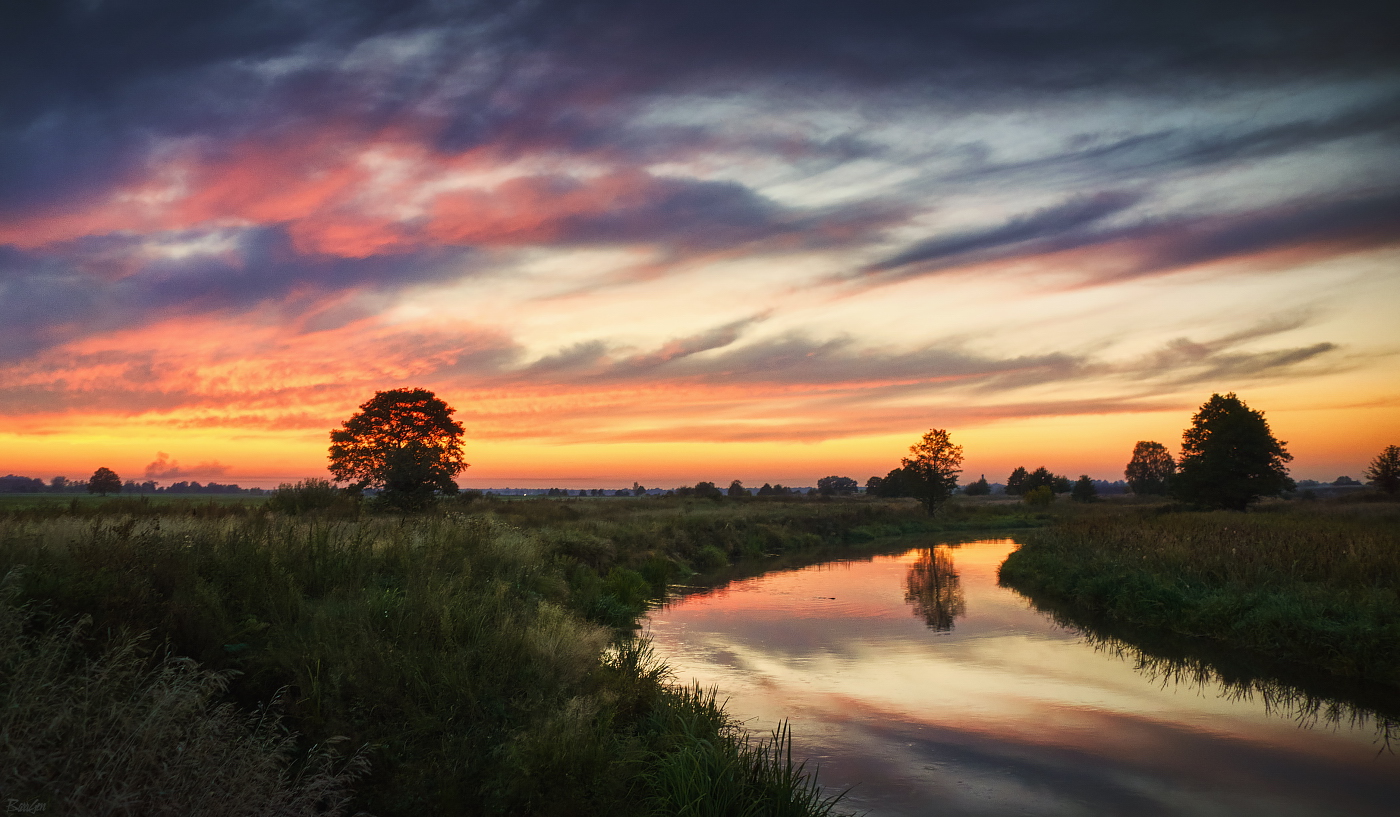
[(631, 222)]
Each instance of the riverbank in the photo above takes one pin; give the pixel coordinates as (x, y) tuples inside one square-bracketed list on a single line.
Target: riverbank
[(1317, 584), (475, 660)]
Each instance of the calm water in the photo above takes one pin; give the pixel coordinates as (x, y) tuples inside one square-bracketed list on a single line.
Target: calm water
[(931, 690)]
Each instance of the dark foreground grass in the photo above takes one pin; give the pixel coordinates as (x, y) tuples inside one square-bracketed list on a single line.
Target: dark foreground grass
[(475, 660), (1314, 584)]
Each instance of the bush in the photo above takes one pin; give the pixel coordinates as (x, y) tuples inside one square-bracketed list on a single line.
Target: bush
[(1040, 496)]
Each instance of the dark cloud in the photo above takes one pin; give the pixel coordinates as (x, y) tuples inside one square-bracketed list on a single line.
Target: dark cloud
[(1073, 217), (85, 87), (52, 298), (1148, 246)]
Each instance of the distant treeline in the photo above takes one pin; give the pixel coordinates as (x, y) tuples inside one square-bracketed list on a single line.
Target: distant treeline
[(12, 484)]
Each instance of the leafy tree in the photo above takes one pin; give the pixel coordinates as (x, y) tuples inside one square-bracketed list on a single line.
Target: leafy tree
[(403, 441), (873, 485), (932, 471), (1084, 490), (894, 484), (736, 488), (706, 490), (837, 485), (1229, 458), (104, 481), (1151, 468), (1384, 471), (978, 488), (1016, 483)]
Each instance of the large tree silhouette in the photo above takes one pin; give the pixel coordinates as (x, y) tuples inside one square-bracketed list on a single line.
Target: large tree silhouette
[(403, 441), (104, 481), (1384, 471), (1229, 458), (931, 472)]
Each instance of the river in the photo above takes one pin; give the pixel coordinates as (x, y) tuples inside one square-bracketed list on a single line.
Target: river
[(914, 680)]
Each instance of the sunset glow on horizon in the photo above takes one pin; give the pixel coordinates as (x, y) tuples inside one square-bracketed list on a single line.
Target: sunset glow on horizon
[(683, 242)]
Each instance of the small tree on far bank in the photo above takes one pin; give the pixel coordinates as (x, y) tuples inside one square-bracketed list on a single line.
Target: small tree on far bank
[(736, 489), (104, 481), (978, 488), (1084, 490), (831, 486), (1229, 458), (1151, 468), (1384, 471), (1016, 483), (931, 472)]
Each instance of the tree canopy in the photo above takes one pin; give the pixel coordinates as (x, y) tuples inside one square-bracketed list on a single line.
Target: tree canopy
[(1229, 457), (1384, 471), (931, 471), (837, 485), (978, 488), (1151, 468), (403, 441), (104, 481)]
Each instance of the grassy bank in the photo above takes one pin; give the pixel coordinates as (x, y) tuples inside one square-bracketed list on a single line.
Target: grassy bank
[(1314, 584), (470, 661)]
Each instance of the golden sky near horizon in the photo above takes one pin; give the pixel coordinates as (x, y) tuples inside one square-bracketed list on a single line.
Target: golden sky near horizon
[(619, 269)]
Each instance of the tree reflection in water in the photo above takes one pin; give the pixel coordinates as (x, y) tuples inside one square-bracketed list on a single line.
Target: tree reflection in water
[(932, 587)]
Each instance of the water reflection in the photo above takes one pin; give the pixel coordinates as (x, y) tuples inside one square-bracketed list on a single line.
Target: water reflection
[(933, 588), (1307, 696), (1010, 712)]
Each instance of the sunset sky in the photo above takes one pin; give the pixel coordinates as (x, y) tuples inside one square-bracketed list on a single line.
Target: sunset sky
[(668, 242)]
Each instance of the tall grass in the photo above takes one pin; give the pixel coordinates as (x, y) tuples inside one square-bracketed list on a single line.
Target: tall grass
[(126, 734), (472, 660), (1314, 584)]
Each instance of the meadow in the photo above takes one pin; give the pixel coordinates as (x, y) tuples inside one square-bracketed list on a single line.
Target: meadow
[(1312, 583), (322, 658)]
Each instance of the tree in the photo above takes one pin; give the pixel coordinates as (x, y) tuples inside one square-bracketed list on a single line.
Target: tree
[(1016, 483), (836, 485), (978, 488), (1229, 458), (104, 481), (1151, 468), (932, 472), (894, 484), (736, 488), (403, 441), (1384, 471), (1084, 490), (873, 486)]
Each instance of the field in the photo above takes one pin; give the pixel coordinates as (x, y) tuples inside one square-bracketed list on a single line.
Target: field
[(478, 659), (1316, 584)]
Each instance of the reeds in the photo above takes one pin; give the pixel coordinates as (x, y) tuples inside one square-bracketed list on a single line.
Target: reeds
[(472, 661), (124, 733), (1315, 584)]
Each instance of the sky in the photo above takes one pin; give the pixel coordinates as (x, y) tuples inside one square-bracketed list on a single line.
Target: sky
[(667, 242)]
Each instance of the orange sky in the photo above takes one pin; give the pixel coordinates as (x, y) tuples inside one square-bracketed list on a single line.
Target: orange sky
[(666, 281)]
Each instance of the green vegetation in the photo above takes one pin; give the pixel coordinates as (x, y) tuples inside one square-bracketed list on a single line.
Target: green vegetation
[(478, 663), (1317, 584)]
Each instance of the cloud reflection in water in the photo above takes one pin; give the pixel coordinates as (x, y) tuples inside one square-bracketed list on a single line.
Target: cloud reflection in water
[(1006, 713)]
